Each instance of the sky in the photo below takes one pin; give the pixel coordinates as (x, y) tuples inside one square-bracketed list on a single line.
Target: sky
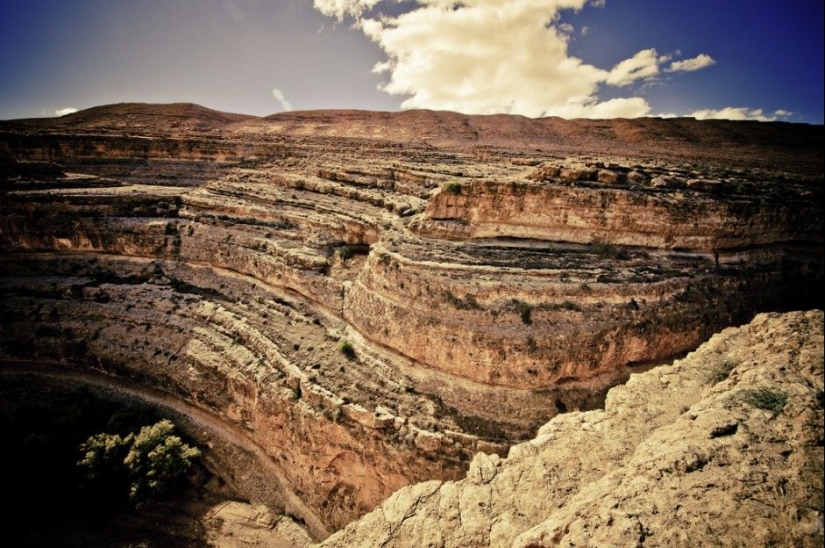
[(734, 59)]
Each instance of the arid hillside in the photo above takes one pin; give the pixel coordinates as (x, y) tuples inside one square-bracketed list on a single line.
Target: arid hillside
[(375, 298)]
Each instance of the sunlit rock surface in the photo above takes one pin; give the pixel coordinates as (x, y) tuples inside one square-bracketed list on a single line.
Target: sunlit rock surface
[(376, 297), (690, 454)]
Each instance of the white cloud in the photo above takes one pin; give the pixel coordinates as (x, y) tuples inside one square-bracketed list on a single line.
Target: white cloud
[(496, 56), (566, 31), (644, 64), (281, 98), (625, 107), (492, 56), (739, 113), (699, 62), (342, 8), (65, 111)]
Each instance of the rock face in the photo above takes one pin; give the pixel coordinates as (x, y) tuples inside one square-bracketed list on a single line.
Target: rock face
[(722, 448), (376, 297), (609, 214)]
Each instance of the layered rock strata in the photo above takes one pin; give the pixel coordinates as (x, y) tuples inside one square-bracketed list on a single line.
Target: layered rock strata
[(682, 455), (377, 297)]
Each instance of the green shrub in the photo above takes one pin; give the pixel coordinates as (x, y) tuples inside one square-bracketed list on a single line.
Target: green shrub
[(345, 252), (346, 348), (469, 302), (157, 461), (154, 460), (453, 187), (766, 399)]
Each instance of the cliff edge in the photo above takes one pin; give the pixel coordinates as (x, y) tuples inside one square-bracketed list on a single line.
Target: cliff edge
[(722, 448), (374, 298)]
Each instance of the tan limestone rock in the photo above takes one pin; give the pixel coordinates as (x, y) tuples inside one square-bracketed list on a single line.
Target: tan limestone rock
[(675, 459)]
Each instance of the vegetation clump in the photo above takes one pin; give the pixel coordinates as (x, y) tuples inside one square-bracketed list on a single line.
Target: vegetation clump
[(345, 252), (765, 399), (154, 461), (346, 348), (348, 251), (453, 187)]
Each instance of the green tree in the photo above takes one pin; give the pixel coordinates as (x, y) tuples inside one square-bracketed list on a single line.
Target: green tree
[(103, 455), (154, 461), (157, 461)]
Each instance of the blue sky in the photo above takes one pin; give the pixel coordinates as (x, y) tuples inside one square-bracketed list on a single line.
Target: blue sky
[(573, 58)]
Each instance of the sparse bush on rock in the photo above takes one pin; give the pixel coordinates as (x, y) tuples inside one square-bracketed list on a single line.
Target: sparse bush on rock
[(765, 399), (155, 460), (453, 187), (346, 348)]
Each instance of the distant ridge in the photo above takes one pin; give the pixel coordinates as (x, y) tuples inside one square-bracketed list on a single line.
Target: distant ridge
[(790, 144), (765, 143), (141, 116), (453, 126)]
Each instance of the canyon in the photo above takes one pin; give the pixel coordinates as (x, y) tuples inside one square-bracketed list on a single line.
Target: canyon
[(374, 300)]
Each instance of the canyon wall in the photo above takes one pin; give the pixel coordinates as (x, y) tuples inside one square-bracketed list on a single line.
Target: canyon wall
[(682, 455), (374, 307), (643, 216)]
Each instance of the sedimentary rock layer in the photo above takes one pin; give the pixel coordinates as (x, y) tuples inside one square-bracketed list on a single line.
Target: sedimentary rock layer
[(682, 455), (376, 297)]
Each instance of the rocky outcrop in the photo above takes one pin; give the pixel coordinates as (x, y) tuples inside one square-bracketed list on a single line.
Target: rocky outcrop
[(639, 216), (682, 455), (547, 315), (377, 297)]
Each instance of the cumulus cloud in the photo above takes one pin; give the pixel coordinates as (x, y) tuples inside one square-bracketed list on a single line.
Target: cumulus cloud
[(644, 64), (495, 56), (740, 113), (65, 111), (699, 62), (279, 96)]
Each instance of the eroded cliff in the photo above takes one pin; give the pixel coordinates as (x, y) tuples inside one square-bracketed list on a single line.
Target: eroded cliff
[(682, 455), (376, 297)]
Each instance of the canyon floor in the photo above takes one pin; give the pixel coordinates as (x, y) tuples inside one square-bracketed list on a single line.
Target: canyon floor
[(357, 302)]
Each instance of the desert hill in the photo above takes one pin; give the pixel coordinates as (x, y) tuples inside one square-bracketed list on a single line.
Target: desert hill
[(674, 138), (138, 117)]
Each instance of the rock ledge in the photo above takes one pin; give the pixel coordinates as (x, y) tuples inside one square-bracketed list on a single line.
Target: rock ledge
[(682, 455)]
